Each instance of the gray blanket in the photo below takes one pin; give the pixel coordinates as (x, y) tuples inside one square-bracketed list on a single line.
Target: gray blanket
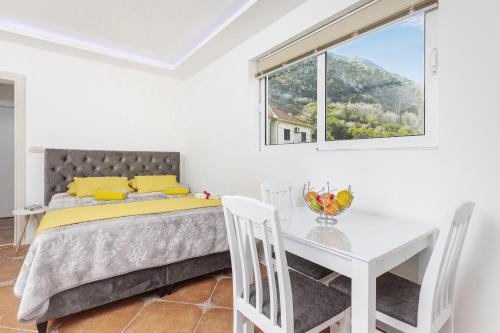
[(63, 258)]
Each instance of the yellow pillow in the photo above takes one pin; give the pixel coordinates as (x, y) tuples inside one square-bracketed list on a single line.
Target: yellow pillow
[(86, 187), (71, 188), (147, 184), (131, 189), (176, 190), (110, 195), (133, 184)]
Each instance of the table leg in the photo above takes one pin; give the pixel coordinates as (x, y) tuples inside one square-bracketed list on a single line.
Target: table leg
[(424, 257), (363, 297), (26, 220)]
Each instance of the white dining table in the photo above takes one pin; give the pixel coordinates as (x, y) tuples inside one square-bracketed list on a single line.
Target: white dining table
[(360, 246)]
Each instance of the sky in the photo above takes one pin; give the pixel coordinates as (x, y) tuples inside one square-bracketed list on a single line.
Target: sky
[(399, 48)]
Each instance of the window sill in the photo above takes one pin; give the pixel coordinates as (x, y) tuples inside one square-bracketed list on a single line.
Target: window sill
[(405, 143), (289, 147)]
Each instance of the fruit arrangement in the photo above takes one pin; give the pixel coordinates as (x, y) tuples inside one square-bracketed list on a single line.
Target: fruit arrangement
[(326, 203)]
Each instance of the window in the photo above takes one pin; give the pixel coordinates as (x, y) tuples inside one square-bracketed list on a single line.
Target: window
[(286, 134), (375, 90), (291, 103), (375, 84)]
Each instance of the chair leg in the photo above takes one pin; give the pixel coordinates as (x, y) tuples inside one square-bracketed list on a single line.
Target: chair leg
[(249, 327), (347, 321), (238, 322), (342, 325)]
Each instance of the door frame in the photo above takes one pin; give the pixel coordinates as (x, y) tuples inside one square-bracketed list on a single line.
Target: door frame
[(19, 81)]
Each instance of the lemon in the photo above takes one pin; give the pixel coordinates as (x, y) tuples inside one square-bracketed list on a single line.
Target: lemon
[(345, 198)]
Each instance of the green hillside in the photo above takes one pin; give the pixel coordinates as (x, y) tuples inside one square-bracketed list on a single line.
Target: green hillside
[(363, 99)]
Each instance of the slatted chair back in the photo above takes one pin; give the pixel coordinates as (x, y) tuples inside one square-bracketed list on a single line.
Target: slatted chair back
[(242, 216), (437, 292), (278, 194)]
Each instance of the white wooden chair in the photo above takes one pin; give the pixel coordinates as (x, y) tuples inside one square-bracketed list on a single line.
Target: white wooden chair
[(412, 308), (279, 194), (284, 301)]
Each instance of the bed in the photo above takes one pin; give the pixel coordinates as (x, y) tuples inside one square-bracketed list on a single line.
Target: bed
[(79, 267)]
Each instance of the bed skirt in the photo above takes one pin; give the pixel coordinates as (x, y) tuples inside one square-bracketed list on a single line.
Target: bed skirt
[(101, 292)]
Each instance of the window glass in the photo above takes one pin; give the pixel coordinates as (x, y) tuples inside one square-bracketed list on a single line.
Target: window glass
[(291, 104), (286, 134), (375, 84)]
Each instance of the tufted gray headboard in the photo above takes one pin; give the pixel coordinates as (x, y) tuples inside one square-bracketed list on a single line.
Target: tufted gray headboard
[(61, 165)]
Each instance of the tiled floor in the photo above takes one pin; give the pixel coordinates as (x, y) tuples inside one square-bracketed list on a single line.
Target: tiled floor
[(6, 230), (200, 305)]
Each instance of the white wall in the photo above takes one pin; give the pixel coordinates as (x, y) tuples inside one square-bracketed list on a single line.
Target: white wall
[(6, 150), (83, 104), (419, 184)]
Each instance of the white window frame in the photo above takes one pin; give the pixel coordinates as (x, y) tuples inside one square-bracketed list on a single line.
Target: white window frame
[(429, 140)]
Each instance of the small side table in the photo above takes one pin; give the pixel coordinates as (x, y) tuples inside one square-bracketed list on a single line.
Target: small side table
[(26, 216)]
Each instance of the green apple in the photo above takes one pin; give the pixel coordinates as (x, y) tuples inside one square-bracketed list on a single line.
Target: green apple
[(315, 205)]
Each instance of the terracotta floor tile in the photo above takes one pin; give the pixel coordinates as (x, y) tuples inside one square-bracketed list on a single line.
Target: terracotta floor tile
[(7, 300), (108, 318), (223, 294), (216, 320), (10, 251), (263, 270), (12, 330), (193, 291), (10, 269), (2, 261), (10, 320), (166, 317)]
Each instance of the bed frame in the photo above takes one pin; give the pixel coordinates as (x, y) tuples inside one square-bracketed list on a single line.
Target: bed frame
[(61, 165)]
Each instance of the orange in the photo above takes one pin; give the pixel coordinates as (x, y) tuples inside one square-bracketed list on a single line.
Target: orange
[(311, 195), (332, 207)]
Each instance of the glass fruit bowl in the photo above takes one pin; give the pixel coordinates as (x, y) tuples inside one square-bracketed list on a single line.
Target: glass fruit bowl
[(327, 203)]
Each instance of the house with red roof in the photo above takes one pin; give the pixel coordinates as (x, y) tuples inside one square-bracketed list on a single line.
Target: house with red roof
[(283, 128)]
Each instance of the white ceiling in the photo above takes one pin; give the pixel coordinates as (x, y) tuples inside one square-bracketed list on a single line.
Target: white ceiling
[(157, 33)]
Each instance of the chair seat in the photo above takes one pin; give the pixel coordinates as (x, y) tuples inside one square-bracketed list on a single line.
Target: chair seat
[(305, 266), (313, 302), (396, 296)]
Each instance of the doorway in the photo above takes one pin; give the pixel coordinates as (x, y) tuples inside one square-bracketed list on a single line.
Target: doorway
[(7, 158), (18, 178)]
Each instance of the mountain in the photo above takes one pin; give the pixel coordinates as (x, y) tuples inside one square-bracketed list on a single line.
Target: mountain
[(349, 81)]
